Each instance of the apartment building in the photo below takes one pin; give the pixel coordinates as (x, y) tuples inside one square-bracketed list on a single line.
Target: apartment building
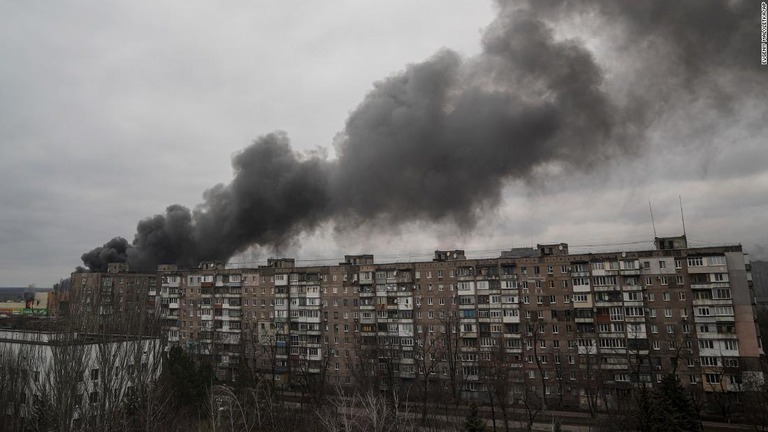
[(116, 291), (566, 321), (567, 326)]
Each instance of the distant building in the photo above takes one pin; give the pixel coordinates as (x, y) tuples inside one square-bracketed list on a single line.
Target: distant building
[(759, 270), (30, 303), (116, 291)]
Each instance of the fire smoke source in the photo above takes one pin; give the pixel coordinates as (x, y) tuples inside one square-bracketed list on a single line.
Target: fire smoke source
[(438, 141)]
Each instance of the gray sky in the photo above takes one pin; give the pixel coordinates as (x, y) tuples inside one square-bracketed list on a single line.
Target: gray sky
[(110, 111)]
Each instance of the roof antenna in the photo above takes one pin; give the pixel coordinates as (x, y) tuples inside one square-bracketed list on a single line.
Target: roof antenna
[(652, 222), (682, 216)]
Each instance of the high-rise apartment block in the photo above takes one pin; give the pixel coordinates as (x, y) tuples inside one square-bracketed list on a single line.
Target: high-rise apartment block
[(562, 322)]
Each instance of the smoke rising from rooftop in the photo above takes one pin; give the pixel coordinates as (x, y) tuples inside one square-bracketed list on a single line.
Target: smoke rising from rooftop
[(439, 140)]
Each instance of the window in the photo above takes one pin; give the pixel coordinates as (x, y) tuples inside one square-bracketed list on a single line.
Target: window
[(670, 328), (695, 261), (713, 378), (604, 280), (667, 313), (579, 281), (721, 293), (731, 345), (724, 310), (706, 344), (94, 374), (662, 264), (716, 260)]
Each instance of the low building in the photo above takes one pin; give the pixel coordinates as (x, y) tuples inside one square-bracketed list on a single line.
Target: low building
[(69, 377)]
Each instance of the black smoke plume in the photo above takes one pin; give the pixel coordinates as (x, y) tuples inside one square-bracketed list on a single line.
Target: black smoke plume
[(438, 141)]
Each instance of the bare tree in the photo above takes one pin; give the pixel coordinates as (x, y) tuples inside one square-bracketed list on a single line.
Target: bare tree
[(63, 399), (427, 354), (532, 338), (451, 343), (16, 384), (496, 375), (528, 398), (360, 412)]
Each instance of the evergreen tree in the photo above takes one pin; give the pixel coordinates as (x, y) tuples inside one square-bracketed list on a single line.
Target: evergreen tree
[(675, 406), (667, 408), (474, 423), (188, 382)]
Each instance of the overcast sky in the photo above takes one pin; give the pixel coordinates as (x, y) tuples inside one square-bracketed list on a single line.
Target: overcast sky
[(111, 111)]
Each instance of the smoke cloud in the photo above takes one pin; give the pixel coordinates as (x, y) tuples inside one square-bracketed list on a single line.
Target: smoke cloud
[(438, 141)]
